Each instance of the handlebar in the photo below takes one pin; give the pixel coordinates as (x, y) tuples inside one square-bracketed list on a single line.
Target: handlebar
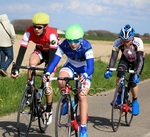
[(63, 78), (30, 68), (121, 70)]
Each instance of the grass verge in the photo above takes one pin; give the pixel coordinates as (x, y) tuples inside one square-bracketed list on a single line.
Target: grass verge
[(11, 89)]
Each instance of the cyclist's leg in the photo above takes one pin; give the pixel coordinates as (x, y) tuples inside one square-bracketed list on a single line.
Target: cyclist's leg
[(49, 101), (48, 91), (123, 64), (134, 91), (65, 72), (83, 106), (34, 60)]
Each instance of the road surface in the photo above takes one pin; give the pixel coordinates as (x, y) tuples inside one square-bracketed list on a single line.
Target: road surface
[(99, 118)]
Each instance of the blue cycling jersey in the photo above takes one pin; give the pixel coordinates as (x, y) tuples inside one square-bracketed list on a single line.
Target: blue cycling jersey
[(81, 60)]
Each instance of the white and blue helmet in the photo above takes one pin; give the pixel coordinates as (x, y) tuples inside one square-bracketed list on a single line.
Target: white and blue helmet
[(127, 32)]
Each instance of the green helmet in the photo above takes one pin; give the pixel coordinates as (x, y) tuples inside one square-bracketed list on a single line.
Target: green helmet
[(74, 32)]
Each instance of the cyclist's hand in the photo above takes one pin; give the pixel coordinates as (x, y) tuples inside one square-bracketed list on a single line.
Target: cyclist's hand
[(135, 78), (46, 77), (108, 74), (83, 77), (14, 73)]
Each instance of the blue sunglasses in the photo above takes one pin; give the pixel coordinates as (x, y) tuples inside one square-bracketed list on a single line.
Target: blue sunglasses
[(73, 41)]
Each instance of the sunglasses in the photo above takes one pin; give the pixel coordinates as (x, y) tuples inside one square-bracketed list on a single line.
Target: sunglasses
[(73, 41), (38, 27)]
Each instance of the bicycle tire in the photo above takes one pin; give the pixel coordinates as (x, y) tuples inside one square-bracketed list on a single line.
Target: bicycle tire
[(128, 114), (25, 114), (117, 111), (76, 116), (75, 120), (41, 115), (63, 122)]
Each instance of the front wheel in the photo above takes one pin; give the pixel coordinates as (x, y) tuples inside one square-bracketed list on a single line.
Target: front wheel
[(41, 115), (117, 110), (25, 114), (128, 114), (63, 121)]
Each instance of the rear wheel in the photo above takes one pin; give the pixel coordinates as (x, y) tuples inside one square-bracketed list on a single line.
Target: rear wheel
[(25, 113), (117, 111), (128, 114), (63, 122)]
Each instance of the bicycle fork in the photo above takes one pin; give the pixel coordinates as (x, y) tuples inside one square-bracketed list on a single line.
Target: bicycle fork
[(124, 105)]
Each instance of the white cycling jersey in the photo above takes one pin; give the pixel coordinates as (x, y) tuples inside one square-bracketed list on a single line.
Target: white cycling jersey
[(130, 52)]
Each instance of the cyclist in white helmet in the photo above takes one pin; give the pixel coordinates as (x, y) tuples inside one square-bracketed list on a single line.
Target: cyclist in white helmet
[(132, 56), (80, 59), (46, 41)]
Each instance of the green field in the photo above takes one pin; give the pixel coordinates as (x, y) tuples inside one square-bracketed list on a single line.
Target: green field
[(11, 89)]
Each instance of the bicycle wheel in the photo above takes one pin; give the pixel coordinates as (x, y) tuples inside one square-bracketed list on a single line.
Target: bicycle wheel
[(75, 118), (117, 111), (63, 122), (128, 114), (25, 115), (41, 114)]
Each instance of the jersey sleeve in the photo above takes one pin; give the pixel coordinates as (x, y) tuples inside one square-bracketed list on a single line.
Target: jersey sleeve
[(53, 38), (59, 53), (26, 38), (90, 62)]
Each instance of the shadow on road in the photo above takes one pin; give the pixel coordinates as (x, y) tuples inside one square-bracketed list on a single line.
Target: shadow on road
[(100, 123), (103, 124), (9, 129)]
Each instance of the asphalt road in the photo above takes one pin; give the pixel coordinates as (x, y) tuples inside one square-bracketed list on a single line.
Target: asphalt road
[(99, 118)]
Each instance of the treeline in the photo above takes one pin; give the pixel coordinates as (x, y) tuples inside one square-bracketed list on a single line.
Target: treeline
[(21, 25)]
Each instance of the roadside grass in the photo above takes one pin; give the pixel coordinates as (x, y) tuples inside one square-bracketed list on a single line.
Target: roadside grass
[(11, 89)]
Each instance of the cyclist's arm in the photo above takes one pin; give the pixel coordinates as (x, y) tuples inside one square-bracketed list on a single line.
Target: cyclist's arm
[(139, 54), (140, 62), (53, 45), (90, 62), (90, 66), (51, 55), (20, 56), (113, 59), (51, 66), (23, 47)]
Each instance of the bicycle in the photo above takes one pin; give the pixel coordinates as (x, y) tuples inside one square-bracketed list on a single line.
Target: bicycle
[(125, 108), (30, 107), (67, 125)]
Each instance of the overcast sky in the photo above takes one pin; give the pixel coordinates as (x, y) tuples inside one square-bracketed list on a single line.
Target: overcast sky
[(109, 15)]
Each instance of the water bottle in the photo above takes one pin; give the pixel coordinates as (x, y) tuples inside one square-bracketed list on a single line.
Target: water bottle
[(39, 95)]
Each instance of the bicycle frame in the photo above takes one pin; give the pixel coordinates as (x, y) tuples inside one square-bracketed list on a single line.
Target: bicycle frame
[(32, 110), (71, 122), (123, 107), (122, 82)]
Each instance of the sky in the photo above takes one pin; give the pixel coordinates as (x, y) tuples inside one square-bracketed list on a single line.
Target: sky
[(110, 15)]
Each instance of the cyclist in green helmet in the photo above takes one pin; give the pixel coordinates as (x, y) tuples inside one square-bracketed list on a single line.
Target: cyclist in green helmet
[(80, 59)]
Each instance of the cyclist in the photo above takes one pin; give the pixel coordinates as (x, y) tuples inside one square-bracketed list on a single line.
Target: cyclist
[(46, 40), (132, 56), (80, 59)]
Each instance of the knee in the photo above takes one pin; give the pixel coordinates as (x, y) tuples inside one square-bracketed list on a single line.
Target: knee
[(82, 98)]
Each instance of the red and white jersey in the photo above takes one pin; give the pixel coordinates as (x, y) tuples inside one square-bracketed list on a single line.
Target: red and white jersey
[(45, 42), (130, 52)]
